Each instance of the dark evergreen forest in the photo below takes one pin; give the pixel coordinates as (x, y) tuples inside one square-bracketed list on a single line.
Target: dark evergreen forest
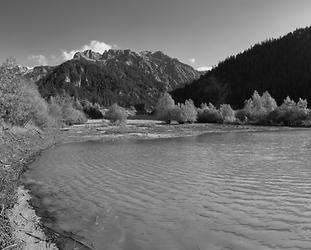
[(280, 66)]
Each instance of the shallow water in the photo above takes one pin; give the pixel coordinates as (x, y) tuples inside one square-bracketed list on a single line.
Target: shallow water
[(215, 191)]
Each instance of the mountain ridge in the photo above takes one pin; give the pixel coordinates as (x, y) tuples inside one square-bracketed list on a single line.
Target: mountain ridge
[(127, 77)]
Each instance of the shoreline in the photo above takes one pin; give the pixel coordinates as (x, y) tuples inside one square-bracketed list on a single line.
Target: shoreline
[(27, 224), (19, 224), (153, 129), (98, 130)]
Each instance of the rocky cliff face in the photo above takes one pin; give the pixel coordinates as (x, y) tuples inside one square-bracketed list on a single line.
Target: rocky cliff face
[(122, 76), (88, 55)]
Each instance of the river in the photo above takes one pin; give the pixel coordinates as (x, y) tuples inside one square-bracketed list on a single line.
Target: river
[(235, 190)]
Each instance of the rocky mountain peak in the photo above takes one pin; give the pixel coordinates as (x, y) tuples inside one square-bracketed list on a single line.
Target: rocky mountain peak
[(88, 55), (160, 55), (120, 54)]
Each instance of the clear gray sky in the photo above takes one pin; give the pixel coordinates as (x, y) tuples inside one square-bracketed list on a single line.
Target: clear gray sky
[(198, 32)]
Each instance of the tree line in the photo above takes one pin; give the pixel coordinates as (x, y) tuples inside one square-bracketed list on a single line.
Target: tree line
[(258, 109)]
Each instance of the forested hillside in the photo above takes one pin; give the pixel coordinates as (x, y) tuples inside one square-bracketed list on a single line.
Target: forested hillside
[(280, 66), (122, 76)]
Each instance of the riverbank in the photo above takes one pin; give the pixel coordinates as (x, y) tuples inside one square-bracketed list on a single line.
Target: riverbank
[(18, 221), (151, 129), (20, 146)]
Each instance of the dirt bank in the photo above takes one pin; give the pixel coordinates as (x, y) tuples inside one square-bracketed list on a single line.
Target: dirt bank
[(25, 223), (18, 147)]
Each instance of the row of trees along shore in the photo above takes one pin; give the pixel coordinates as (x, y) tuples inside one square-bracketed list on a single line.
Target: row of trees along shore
[(258, 110)]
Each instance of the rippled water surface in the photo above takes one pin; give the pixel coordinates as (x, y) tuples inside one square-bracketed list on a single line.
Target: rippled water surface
[(215, 191)]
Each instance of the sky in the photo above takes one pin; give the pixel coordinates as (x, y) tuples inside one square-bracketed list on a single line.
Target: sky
[(197, 32)]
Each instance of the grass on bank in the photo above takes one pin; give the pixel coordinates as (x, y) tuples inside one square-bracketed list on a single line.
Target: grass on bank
[(17, 144)]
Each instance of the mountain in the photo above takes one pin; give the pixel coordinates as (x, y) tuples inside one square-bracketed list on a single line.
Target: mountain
[(23, 69), (88, 55), (122, 76), (38, 72), (281, 66)]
